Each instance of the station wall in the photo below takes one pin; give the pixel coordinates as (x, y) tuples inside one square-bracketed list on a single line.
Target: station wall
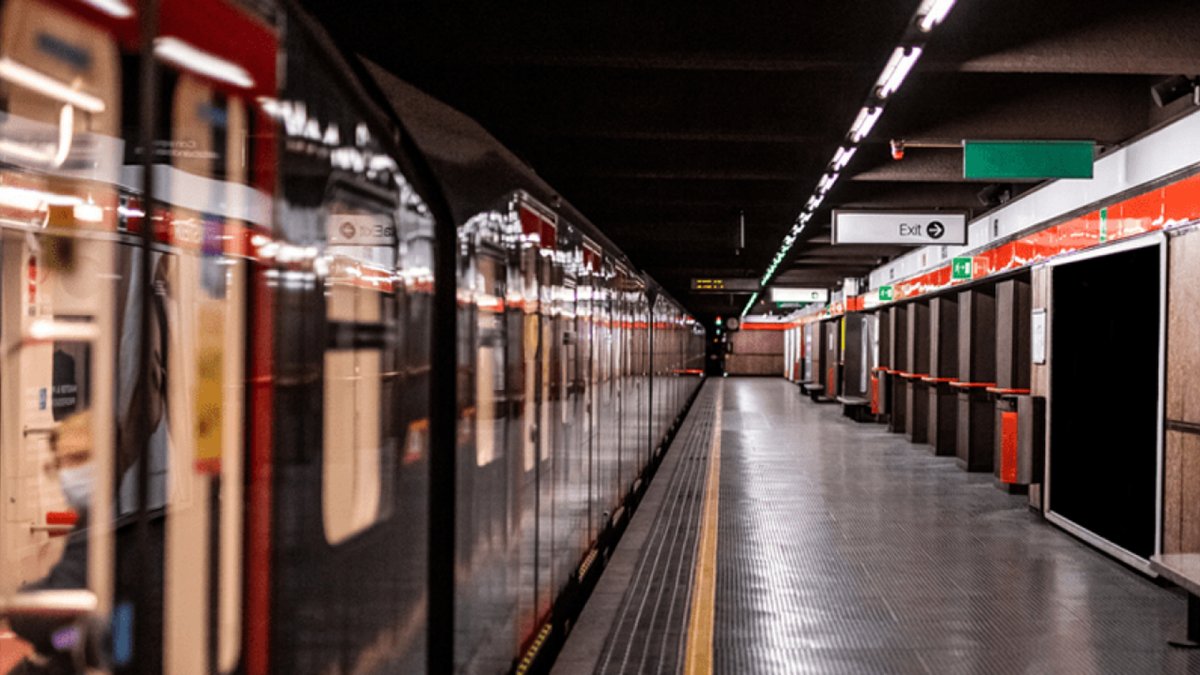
[(1181, 461), (755, 352)]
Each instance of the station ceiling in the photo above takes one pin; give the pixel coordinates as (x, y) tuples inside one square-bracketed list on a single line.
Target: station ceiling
[(667, 122)]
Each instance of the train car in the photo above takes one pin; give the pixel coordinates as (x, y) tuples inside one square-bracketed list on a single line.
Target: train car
[(573, 369), (221, 241)]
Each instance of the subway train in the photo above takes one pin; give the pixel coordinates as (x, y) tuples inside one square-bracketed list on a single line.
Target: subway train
[(303, 372)]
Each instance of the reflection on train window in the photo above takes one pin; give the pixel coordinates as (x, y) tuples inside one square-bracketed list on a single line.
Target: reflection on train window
[(360, 448), (60, 158), (489, 379)]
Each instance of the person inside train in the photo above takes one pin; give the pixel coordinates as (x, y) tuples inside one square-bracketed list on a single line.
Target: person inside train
[(72, 452), (141, 412)]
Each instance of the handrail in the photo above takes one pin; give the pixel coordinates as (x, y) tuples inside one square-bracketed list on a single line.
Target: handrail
[(972, 385), (1006, 391)]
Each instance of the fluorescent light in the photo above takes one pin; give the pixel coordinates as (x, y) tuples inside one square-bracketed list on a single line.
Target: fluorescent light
[(842, 157), (827, 182), (113, 8), (89, 213), (750, 304), (932, 12), (48, 86), (867, 117), (185, 56), (25, 199), (898, 67)]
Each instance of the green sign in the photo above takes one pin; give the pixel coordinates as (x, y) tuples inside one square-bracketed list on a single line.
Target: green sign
[(960, 268), (1028, 159), (886, 294), (1103, 225), (791, 305)]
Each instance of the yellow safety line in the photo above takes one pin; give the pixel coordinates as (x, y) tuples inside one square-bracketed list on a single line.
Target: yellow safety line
[(698, 659)]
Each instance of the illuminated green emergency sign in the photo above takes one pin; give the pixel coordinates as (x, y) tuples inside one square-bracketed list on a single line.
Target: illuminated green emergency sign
[(960, 268), (1028, 159)]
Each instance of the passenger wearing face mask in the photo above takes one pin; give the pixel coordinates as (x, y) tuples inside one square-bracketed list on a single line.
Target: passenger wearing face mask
[(141, 423), (72, 445)]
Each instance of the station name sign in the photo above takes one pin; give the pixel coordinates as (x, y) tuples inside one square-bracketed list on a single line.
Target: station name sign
[(706, 285), (899, 227), (793, 294)]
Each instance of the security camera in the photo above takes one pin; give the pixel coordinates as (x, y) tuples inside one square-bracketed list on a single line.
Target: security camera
[(897, 149), (1174, 88)]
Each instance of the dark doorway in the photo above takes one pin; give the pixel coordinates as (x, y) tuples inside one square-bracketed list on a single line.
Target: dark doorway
[(1104, 396)]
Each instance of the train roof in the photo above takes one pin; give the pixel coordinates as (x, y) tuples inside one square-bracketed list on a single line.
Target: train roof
[(475, 170)]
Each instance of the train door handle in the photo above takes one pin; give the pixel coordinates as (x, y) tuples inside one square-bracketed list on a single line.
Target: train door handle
[(65, 603), (41, 331), (86, 635)]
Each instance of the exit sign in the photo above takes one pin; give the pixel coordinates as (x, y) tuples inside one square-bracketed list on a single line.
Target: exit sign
[(1028, 160), (960, 268), (886, 294)]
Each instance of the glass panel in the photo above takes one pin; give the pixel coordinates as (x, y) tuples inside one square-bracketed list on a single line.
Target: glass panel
[(361, 307), (60, 157)]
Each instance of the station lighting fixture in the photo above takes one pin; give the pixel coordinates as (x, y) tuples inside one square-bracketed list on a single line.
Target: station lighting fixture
[(50, 87), (928, 15), (867, 117), (932, 12), (750, 304), (843, 155), (897, 68), (113, 8), (827, 182), (188, 57)]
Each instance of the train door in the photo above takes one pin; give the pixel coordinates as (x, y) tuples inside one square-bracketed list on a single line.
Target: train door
[(606, 422), (531, 221), (562, 418), (60, 159), (589, 378), (539, 228), (338, 517), (186, 576), (586, 338), (486, 596)]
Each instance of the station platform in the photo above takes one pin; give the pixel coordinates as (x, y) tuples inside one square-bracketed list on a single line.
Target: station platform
[(781, 537)]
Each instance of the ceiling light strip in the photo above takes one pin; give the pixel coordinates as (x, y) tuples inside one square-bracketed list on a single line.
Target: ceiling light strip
[(932, 13), (899, 65)]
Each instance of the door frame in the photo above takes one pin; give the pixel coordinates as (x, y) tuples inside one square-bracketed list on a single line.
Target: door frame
[(1159, 239)]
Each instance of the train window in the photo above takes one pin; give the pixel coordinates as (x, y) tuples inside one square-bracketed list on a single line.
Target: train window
[(202, 291), (360, 365), (490, 371), (60, 160)]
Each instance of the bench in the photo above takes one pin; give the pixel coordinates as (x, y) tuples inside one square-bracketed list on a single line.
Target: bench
[(1184, 570), (857, 408), (813, 389)]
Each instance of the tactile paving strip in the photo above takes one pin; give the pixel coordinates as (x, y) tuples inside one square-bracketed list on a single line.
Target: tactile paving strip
[(649, 633)]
